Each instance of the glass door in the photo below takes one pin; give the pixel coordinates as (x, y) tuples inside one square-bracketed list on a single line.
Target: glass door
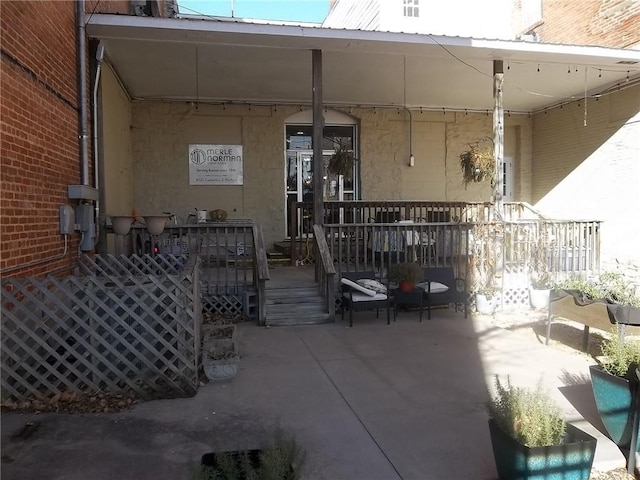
[(299, 176)]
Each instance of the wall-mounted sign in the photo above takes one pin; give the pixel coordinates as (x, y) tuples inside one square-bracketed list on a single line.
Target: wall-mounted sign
[(215, 164)]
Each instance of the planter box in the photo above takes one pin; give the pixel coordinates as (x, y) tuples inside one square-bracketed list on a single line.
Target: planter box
[(596, 314), (218, 337), (218, 370), (570, 461), (220, 358), (234, 465), (614, 400)]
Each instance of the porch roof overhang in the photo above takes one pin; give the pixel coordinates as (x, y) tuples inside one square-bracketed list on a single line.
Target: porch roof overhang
[(224, 61)]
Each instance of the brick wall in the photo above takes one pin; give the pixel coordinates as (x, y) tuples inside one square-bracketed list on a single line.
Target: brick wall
[(39, 141), (611, 23)]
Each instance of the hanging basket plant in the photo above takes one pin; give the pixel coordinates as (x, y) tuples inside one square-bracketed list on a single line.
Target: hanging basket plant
[(341, 162), (478, 163)]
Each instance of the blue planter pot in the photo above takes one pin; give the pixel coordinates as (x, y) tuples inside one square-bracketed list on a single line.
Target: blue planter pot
[(570, 461), (614, 400)]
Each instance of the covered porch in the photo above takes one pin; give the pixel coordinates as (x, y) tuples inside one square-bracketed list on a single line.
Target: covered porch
[(404, 105)]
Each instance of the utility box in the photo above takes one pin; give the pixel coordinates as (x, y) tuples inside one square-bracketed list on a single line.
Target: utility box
[(67, 220)]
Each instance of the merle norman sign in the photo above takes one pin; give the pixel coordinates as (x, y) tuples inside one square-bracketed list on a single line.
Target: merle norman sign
[(215, 164)]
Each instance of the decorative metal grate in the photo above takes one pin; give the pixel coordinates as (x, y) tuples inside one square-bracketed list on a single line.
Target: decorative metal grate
[(126, 324)]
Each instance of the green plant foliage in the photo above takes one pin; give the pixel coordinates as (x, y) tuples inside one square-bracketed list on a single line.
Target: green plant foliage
[(341, 163), (621, 356), (276, 461), (529, 416), (405, 272), (608, 286)]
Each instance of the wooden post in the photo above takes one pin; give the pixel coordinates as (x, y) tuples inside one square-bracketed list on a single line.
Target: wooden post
[(318, 127), (498, 135)]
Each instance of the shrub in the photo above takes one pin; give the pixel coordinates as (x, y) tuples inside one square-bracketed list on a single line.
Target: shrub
[(621, 357), (609, 286), (405, 272), (280, 459), (529, 416)]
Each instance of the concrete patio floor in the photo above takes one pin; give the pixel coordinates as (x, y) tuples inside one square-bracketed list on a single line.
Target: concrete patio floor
[(405, 401)]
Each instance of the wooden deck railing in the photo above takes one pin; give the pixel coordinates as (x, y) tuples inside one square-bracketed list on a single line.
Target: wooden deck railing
[(226, 250), (233, 259), (361, 212), (325, 270), (559, 247)]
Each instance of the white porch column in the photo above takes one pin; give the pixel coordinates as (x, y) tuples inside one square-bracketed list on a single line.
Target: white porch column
[(498, 135)]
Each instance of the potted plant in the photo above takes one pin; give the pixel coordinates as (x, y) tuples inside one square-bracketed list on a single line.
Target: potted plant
[(540, 291), (541, 280), (478, 163), (487, 299), (531, 439), (614, 385), (405, 274), (341, 162)]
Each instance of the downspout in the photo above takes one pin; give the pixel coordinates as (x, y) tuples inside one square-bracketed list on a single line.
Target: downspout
[(82, 93), (96, 146)]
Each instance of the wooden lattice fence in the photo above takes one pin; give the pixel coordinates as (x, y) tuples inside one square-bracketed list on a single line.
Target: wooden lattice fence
[(118, 324)]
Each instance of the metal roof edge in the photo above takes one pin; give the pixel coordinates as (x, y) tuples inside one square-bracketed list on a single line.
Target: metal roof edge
[(98, 25)]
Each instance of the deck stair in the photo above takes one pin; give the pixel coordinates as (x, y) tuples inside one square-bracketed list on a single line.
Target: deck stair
[(275, 258), (295, 305)]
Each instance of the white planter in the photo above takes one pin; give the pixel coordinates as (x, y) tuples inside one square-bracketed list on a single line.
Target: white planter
[(539, 299), (484, 305), (121, 224), (218, 370)]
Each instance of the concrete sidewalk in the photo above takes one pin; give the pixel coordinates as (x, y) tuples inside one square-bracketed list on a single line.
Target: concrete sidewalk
[(405, 401)]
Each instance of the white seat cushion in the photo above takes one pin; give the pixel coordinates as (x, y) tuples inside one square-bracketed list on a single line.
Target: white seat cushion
[(372, 284), (359, 288), (363, 297), (436, 287)]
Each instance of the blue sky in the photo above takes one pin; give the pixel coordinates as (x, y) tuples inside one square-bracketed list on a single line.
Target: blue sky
[(292, 10)]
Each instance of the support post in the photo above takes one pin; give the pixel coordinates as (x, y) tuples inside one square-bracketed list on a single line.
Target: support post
[(318, 127), (498, 136)]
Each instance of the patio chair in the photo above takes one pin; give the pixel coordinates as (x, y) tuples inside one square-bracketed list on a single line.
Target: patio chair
[(442, 288), (357, 297)]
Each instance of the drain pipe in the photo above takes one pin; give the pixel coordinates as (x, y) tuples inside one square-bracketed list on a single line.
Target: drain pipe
[(96, 149), (82, 93)]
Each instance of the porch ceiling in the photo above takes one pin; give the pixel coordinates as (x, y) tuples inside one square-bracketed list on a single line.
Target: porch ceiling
[(224, 61)]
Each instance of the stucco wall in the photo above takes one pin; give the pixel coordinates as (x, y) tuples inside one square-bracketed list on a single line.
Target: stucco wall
[(593, 171), (162, 132), (116, 148)]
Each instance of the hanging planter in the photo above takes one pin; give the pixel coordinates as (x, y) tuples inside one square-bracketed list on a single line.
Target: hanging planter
[(478, 163), (341, 163)]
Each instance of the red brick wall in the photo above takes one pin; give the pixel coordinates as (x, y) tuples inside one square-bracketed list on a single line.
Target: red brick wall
[(611, 23), (39, 144)]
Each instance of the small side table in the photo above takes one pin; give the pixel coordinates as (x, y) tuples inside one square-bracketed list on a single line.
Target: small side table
[(411, 298)]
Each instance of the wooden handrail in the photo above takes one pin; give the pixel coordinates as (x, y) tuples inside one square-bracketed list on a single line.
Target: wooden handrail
[(323, 250), (325, 270), (261, 270), (260, 253)]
